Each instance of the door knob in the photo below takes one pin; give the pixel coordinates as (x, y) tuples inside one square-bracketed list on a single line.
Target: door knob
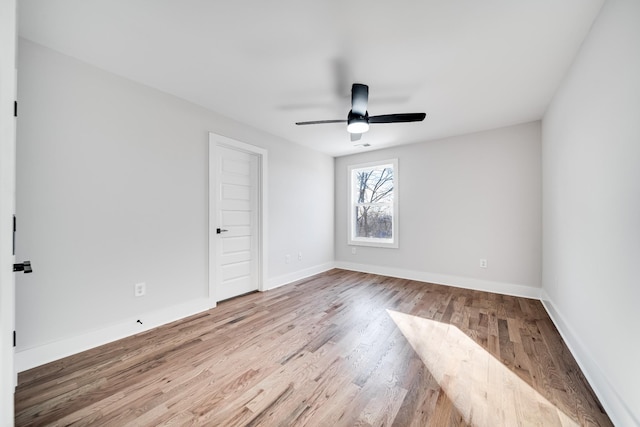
[(221, 230), (25, 266)]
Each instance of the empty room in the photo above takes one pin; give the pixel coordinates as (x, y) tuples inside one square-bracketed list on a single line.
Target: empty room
[(414, 213)]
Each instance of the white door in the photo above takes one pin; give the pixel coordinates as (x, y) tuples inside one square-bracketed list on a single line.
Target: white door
[(235, 218), (7, 206)]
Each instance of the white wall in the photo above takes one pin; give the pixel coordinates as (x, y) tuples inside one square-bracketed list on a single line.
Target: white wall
[(591, 187), (461, 199), (302, 196), (112, 190)]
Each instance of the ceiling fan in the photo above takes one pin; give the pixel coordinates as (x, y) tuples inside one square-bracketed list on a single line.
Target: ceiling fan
[(358, 119)]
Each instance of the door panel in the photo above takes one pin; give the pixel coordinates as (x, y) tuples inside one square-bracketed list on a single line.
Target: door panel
[(236, 244), (233, 193), (233, 166), (235, 217), (236, 270)]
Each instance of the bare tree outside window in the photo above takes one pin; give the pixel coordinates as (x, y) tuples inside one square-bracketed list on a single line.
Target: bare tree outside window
[(373, 204)]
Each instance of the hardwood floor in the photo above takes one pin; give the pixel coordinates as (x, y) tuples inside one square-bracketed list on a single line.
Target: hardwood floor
[(338, 349)]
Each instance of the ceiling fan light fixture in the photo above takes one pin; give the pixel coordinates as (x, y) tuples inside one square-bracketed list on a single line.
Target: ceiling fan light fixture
[(357, 124), (357, 127)]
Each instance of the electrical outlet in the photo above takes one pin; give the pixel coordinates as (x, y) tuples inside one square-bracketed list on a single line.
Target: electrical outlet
[(299, 256), (287, 259), (353, 250), (140, 289), (483, 263)]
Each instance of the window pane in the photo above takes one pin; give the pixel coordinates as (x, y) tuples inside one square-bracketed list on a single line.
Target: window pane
[(373, 185), (374, 222)]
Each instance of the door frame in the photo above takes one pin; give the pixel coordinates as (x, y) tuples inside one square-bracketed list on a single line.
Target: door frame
[(8, 85), (216, 140)]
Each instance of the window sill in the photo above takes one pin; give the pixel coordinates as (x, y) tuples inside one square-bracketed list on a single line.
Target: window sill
[(374, 243)]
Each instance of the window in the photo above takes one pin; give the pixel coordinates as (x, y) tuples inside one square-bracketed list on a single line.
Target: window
[(373, 204)]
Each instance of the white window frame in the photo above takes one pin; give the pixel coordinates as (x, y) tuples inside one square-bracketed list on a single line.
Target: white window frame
[(351, 205)]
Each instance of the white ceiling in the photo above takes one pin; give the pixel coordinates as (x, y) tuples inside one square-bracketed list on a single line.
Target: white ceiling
[(471, 65)]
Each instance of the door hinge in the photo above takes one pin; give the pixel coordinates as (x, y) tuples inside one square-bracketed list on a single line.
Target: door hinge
[(15, 108), (14, 235), (14, 338)]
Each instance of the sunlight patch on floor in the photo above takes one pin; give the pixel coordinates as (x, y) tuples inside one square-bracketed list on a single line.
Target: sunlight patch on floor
[(483, 390)]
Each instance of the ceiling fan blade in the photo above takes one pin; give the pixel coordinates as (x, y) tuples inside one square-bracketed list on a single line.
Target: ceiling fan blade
[(398, 118), (355, 136), (359, 99), (320, 122)]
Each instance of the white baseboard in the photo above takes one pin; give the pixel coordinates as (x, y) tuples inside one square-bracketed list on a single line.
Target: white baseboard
[(285, 279), (443, 279), (36, 356), (616, 408)]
